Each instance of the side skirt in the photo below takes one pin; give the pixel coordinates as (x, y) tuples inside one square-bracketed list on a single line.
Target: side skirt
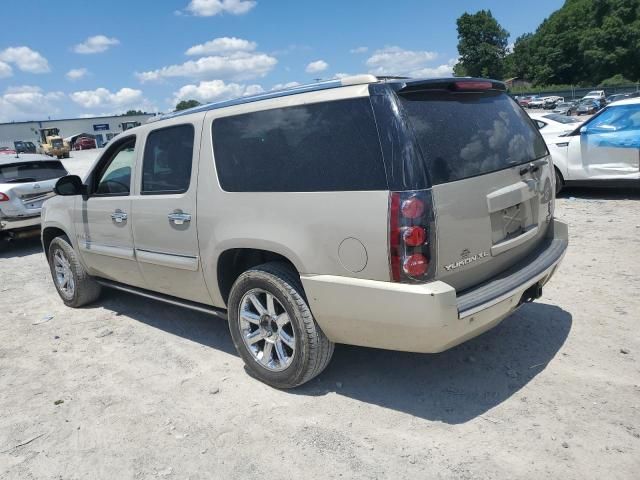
[(200, 307)]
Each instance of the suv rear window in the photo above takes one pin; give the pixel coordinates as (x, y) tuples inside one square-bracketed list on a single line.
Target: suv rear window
[(24, 172), (463, 135), (329, 146)]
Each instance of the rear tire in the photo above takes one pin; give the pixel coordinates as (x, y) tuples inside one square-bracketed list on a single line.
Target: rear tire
[(74, 285), (299, 349), (559, 181)]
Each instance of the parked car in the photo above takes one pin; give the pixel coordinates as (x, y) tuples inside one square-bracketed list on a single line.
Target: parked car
[(24, 147), (554, 124), (7, 151), (84, 143), (524, 101), (603, 151), (537, 102), (25, 183), (566, 108), (587, 107), (595, 95), (311, 216), (551, 102)]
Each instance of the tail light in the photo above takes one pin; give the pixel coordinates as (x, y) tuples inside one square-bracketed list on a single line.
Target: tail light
[(3, 197), (411, 236)]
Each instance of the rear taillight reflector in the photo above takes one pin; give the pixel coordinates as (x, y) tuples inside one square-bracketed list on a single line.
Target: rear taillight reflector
[(415, 265), (414, 236), (412, 208), (473, 85), (3, 197)]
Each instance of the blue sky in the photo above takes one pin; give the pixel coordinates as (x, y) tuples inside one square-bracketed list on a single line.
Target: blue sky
[(81, 58)]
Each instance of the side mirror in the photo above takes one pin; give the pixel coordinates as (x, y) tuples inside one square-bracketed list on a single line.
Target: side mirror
[(69, 186), (583, 130)]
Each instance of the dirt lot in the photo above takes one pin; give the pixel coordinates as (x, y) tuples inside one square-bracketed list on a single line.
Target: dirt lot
[(131, 388)]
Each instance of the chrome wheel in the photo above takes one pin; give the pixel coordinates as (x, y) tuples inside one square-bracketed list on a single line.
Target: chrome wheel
[(64, 274), (266, 330)]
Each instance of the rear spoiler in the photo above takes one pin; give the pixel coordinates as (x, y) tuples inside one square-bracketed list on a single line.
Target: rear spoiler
[(454, 84)]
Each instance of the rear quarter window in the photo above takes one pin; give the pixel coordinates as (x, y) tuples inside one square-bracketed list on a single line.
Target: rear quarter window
[(463, 135), (331, 146)]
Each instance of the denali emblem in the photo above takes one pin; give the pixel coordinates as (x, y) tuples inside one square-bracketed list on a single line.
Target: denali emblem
[(467, 258)]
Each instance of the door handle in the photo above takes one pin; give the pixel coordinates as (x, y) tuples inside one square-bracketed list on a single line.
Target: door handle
[(179, 218), (118, 216)]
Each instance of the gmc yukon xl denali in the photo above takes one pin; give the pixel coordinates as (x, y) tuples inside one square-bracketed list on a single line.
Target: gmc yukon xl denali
[(400, 214)]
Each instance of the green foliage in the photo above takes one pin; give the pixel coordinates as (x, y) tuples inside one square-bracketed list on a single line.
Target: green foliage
[(482, 45), (585, 41), (133, 112), (185, 104), (615, 81)]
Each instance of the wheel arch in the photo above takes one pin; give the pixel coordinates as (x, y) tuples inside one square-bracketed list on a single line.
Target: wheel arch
[(234, 261), (48, 234)]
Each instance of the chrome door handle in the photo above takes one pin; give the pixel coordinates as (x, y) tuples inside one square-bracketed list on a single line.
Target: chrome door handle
[(179, 218), (118, 216)]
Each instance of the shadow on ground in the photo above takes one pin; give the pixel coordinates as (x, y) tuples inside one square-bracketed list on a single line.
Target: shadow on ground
[(457, 385), (578, 193), (20, 248), (453, 387)]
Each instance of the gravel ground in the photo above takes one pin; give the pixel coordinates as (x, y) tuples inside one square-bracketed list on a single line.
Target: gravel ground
[(131, 388)]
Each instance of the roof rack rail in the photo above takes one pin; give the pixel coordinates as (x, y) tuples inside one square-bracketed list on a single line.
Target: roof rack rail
[(311, 87)]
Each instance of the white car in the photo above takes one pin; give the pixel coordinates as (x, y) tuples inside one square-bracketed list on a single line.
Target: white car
[(26, 181), (537, 102), (554, 124), (604, 151), (595, 94)]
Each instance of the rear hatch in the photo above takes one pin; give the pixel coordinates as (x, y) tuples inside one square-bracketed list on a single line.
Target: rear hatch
[(491, 176), (27, 184)]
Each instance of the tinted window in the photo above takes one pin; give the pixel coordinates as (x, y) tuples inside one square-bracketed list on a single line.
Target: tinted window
[(114, 177), (462, 135), (321, 147), (168, 156), (23, 172)]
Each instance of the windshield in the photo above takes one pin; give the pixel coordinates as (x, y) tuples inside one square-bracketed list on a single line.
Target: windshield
[(465, 135), (562, 118), (31, 171), (56, 143)]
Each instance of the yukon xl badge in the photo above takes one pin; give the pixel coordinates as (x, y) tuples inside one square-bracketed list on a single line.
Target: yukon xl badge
[(467, 258)]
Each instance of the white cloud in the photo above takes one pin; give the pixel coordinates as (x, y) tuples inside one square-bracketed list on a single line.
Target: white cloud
[(103, 98), (235, 66), (210, 8), (222, 45), (397, 61), (28, 103), (444, 70), (5, 70), (282, 86), (359, 50), (25, 59), (77, 73), (96, 44), (214, 90), (341, 75), (317, 66)]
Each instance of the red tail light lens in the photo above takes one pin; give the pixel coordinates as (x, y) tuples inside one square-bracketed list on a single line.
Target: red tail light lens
[(3, 197), (414, 236), (410, 221), (415, 265)]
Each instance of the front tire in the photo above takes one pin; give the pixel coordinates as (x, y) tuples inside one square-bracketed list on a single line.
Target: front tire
[(273, 329), (74, 285), (559, 182)]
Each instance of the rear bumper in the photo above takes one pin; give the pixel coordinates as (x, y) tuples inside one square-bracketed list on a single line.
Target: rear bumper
[(426, 318), (16, 223)]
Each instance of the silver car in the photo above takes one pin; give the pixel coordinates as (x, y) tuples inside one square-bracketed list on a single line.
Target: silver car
[(408, 214), (26, 181)]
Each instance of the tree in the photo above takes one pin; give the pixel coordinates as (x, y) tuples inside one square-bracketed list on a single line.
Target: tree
[(133, 112), (184, 104), (482, 45), (584, 42)]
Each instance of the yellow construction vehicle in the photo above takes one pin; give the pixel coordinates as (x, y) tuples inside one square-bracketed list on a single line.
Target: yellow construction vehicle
[(52, 144)]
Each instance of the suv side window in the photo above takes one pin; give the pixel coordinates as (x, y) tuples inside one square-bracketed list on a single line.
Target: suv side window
[(330, 146), (114, 175), (168, 156)]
